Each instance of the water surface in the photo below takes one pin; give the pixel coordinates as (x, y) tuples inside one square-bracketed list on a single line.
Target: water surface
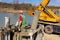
[(13, 18)]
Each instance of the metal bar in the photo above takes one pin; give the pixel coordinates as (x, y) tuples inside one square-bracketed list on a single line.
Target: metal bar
[(57, 24)]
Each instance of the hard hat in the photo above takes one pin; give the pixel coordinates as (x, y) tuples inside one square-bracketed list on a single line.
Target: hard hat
[(20, 12)]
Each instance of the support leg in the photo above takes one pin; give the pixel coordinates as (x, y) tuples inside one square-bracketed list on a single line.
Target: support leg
[(31, 38)]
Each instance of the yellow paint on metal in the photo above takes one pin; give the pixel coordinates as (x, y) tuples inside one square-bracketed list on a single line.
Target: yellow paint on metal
[(45, 17), (44, 3), (46, 14), (31, 13)]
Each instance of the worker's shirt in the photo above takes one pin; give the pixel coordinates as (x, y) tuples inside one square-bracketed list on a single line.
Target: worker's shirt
[(20, 18)]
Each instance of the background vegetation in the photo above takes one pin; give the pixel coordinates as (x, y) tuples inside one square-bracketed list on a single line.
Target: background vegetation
[(22, 6)]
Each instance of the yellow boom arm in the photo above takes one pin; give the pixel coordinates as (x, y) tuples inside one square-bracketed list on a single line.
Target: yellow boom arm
[(44, 3), (46, 14), (40, 8)]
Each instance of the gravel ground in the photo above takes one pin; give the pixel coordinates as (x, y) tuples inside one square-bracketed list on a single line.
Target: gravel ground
[(51, 37)]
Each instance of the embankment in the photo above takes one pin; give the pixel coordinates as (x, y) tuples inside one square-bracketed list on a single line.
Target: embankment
[(10, 10)]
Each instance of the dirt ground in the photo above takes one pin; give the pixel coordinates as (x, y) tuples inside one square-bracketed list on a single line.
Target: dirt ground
[(51, 37)]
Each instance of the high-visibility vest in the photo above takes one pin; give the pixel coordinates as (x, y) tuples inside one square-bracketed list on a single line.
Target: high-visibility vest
[(24, 21)]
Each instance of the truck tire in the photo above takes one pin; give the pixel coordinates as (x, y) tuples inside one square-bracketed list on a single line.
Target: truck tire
[(48, 29)]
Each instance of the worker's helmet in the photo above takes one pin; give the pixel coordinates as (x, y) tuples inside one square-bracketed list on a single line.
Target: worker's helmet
[(20, 12)]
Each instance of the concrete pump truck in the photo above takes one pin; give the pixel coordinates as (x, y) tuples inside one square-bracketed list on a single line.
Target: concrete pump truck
[(47, 17)]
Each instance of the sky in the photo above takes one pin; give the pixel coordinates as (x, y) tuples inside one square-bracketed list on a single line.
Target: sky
[(35, 2)]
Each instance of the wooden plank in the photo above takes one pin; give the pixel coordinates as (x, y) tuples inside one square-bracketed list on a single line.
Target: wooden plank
[(1, 35), (15, 36), (24, 34)]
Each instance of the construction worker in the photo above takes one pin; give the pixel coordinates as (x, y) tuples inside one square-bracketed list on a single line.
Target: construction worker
[(22, 21)]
